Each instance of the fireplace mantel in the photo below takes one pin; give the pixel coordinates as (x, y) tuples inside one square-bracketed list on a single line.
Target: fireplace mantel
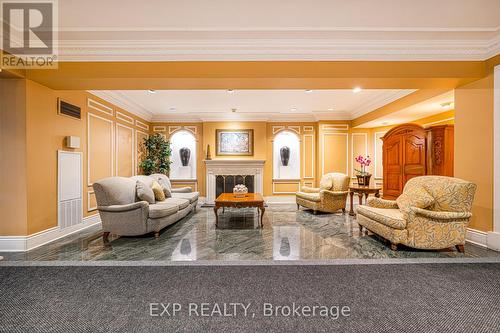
[(232, 167)]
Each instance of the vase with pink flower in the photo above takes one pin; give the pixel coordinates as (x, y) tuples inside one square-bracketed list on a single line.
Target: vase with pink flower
[(362, 175)]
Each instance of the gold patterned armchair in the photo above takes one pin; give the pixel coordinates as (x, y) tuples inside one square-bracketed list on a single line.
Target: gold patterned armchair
[(330, 197), (431, 213)]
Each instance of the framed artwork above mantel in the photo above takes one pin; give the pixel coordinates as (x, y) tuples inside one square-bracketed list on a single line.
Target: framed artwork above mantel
[(238, 142)]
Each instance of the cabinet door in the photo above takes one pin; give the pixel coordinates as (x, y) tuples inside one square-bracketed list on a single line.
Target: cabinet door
[(413, 156), (393, 167)]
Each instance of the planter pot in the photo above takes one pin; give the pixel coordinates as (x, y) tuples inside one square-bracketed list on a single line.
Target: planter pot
[(185, 154), (364, 180), (285, 155)]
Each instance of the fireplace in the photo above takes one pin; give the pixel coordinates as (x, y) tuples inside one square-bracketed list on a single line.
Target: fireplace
[(223, 174), (226, 183)]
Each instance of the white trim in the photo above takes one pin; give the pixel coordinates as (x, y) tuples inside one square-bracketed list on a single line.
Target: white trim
[(90, 209), (141, 125), (379, 101), (294, 128), (304, 158), (117, 150), (290, 182), (185, 182), (93, 104), (26, 243), (121, 100), (193, 129), (438, 121), (285, 47), (352, 150), (476, 237), (112, 138), (335, 127), (323, 151), (159, 128), (375, 156), (124, 117)]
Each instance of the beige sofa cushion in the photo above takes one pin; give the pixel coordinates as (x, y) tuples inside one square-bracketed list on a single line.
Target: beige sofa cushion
[(182, 203), (144, 192), (158, 191), (162, 209), (315, 197), (191, 196), (414, 197), (390, 217)]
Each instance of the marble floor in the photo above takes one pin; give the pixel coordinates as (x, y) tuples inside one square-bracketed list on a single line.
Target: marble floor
[(287, 234)]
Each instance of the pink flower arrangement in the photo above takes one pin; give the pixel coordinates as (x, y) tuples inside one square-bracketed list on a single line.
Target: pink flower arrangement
[(364, 162)]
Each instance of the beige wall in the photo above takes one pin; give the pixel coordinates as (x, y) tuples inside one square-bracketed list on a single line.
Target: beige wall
[(37, 132), (13, 196), (474, 146)]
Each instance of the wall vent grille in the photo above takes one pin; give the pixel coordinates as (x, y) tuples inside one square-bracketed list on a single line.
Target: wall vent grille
[(69, 110)]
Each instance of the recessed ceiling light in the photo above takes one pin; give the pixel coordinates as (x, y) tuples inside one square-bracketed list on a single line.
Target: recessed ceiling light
[(356, 90), (172, 109), (293, 109), (385, 123), (151, 91), (230, 91), (309, 91), (330, 109)]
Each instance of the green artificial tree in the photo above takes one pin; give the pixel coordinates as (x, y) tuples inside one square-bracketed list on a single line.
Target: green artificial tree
[(158, 152)]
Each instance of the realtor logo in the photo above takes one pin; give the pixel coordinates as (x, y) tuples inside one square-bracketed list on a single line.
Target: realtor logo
[(28, 34)]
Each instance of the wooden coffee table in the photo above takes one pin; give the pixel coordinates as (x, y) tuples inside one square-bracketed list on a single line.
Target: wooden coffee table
[(249, 200), (362, 190)]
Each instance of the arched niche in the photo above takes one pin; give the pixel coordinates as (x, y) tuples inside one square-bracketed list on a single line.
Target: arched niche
[(179, 140), (292, 170)]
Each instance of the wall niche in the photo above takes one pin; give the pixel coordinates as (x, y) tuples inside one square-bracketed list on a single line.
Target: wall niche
[(183, 165), (286, 156)]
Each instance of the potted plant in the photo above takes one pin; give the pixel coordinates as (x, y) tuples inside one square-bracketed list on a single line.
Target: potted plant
[(157, 159), (362, 175)]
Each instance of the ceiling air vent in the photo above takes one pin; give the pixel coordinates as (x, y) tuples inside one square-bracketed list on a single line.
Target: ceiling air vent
[(70, 110)]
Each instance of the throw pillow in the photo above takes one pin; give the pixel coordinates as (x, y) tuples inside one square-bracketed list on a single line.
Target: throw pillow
[(326, 182), (144, 192), (158, 191), (417, 197), (166, 186)]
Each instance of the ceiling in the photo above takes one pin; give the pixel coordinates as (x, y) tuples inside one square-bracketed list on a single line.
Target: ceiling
[(159, 30), (251, 105), (432, 106)]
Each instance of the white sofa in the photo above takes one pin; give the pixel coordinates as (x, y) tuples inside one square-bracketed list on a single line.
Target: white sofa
[(122, 213)]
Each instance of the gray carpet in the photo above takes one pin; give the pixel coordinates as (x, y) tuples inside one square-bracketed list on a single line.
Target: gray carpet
[(381, 298)]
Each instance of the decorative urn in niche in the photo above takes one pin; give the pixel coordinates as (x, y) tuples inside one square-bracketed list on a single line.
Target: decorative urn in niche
[(285, 155), (185, 154)]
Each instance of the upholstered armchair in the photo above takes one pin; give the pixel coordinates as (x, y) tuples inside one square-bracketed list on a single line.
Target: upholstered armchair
[(431, 213), (330, 197)]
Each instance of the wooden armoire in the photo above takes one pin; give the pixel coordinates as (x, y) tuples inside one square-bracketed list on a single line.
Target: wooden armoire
[(409, 151)]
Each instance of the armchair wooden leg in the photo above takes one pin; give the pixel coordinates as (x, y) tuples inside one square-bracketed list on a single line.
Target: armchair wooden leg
[(394, 247), (460, 248), (105, 236), (360, 230), (343, 211), (298, 207)]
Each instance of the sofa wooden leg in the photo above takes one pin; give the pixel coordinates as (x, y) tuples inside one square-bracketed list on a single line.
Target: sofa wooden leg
[(460, 248), (360, 230), (105, 236), (298, 207), (394, 247), (157, 234)]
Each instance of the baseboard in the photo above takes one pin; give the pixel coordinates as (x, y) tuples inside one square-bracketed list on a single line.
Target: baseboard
[(26, 243), (493, 240), (476, 237)]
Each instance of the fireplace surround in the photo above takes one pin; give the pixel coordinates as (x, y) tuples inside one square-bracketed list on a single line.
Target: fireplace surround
[(248, 170)]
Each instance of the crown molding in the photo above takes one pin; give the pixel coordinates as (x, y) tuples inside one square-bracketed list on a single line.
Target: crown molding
[(278, 49), (380, 101), (122, 101)]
